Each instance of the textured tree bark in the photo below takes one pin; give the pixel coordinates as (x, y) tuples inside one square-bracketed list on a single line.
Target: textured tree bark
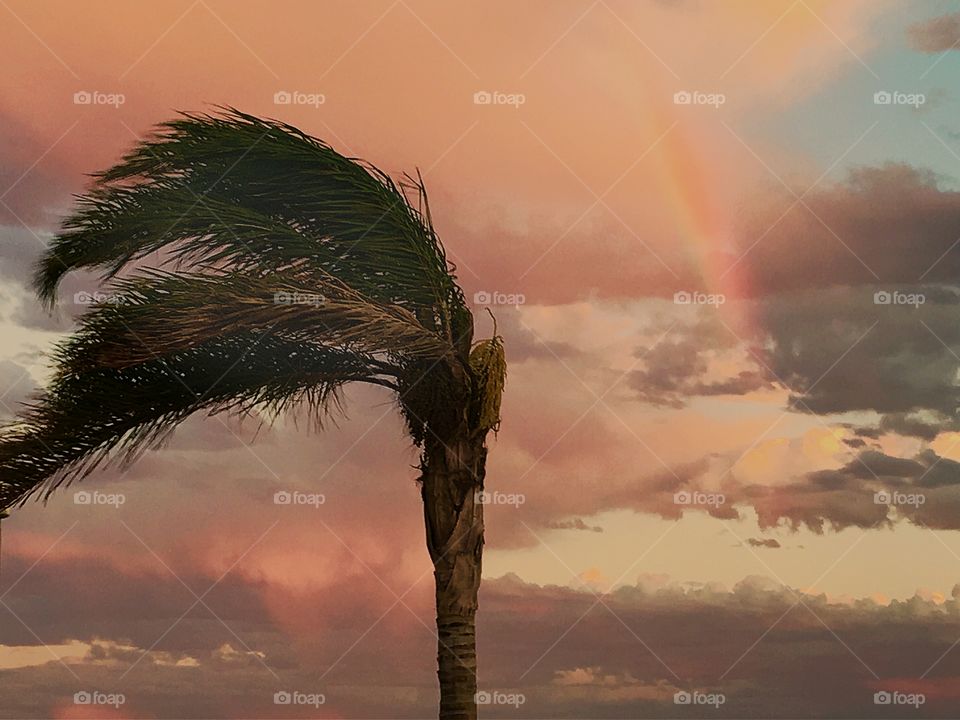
[(453, 513)]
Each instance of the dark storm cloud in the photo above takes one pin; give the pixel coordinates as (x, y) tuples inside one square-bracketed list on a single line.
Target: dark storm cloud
[(569, 657), (870, 490), (904, 424), (892, 223), (816, 506), (839, 351), (19, 251), (836, 350), (825, 333), (673, 370), (889, 224), (818, 277), (935, 35)]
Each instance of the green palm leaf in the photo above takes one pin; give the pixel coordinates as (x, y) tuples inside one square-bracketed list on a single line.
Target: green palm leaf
[(89, 410), (251, 268), (205, 189)]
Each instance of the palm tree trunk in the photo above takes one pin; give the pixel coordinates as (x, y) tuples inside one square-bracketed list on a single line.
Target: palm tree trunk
[(452, 481)]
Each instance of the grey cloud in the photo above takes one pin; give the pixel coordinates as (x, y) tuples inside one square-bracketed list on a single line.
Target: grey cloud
[(847, 496), (16, 386), (838, 351), (938, 34), (691, 637), (575, 524), (893, 224), (672, 371)]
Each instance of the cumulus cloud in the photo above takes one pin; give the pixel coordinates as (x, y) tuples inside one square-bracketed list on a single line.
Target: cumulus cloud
[(560, 650), (839, 351), (871, 489), (892, 223), (696, 359), (295, 604)]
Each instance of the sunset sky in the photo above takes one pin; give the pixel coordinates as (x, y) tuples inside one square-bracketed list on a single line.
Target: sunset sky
[(807, 200)]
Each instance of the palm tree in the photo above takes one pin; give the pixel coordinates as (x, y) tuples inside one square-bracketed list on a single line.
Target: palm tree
[(286, 271)]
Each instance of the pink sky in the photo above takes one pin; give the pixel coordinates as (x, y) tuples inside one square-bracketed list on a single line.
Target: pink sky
[(596, 199)]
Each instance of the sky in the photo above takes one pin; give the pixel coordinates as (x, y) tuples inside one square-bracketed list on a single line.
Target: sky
[(722, 243)]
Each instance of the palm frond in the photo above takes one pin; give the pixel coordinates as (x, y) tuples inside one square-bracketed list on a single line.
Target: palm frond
[(88, 412), (288, 270), (158, 313), (242, 193)]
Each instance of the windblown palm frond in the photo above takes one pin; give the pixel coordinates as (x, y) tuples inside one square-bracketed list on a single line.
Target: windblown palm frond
[(289, 270), (164, 312), (87, 411), (241, 193)]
